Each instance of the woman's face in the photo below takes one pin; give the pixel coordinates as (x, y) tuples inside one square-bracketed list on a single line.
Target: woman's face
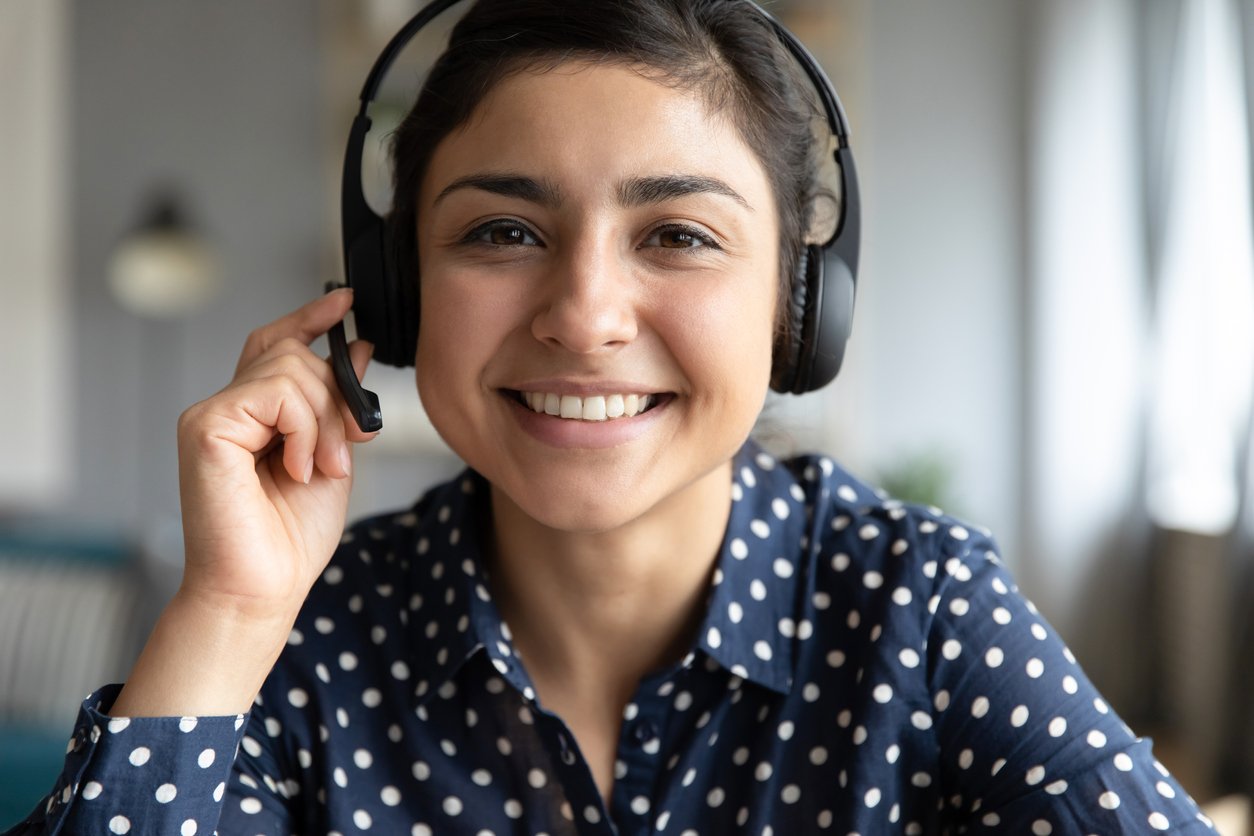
[(593, 242)]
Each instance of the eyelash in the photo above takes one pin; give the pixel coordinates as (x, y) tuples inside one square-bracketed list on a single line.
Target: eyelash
[(478, 235)]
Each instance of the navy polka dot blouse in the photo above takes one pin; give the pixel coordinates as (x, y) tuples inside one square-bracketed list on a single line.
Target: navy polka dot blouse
[(864, 666)]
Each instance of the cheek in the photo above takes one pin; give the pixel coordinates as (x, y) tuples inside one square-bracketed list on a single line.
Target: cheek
[(724, 340)]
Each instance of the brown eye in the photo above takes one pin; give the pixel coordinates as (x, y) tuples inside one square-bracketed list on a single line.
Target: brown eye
[(502, 233), (679, 238)]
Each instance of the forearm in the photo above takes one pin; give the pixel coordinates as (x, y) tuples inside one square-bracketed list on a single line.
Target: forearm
[(202, 660)]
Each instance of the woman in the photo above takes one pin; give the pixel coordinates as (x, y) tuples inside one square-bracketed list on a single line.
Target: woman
[(624, 616)]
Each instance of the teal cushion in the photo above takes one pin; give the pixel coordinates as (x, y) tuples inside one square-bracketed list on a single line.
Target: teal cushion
[(30, 761)]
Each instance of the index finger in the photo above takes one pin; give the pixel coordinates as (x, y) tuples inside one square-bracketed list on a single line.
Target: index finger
[(306, 324)]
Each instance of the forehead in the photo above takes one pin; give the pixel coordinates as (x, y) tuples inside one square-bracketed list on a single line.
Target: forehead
[(593, 125)]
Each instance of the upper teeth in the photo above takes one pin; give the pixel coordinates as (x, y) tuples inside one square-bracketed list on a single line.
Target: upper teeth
[(591, 408)]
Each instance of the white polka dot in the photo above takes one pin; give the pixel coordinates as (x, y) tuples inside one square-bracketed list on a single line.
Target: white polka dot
[(1001, 615), (250, 805), (868, 532), (994, 657), (840, 562), (872, 580), (763, 771), (1019, 716), (1165, 790), (1108, 800), (872, 797), (979, 707), (1035, 668), (537, 778), (219, 790), (790, 794), (390, 796), (818, 756), (951, 649), (139, 756), (640, 805), (921, 720), (298, 698), (715, 797), (738, 549), (762, 650), (119, 824), (965, 758), (166, 792), (117, 724), (991, 820), (1035, 775), (188, 828), (760, 528), (592, 814), (882, 694), (1040, 827), (252, 747), (921, 780), (1057, 787), (909, 658), (1069, 684), (893, 753), (1158, 821), (452, 806), (1057, 727), (1123, 763), (513, 808), (959, 606), (362, 819), (91, 790), (362, 758)]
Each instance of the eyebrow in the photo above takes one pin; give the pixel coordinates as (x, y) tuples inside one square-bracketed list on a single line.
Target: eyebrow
[(507, 185), (637, 191), (641, 191)]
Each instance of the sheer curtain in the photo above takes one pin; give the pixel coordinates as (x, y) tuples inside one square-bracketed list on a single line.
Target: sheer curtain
[(1141, 360)]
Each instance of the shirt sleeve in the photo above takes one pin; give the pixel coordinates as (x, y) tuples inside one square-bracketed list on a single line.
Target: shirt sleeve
[(1027, 744), (140, 775)]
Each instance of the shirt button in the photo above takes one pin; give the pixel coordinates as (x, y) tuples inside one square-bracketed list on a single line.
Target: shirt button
[(645, 731)]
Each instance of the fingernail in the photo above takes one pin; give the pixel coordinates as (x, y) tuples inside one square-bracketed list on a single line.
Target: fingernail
[(346, 460), (308, 470)]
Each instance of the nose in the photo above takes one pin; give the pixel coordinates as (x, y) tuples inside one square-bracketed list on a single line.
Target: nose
[(588, 304)]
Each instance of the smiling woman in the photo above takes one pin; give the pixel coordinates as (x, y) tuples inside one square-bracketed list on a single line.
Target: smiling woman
[(624, 616)]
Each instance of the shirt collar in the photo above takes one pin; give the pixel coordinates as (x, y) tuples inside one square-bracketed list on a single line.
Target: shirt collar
[(749, 627), (753, 617)]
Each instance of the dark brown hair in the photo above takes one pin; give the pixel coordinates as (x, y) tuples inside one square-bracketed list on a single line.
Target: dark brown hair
[(724, 49)]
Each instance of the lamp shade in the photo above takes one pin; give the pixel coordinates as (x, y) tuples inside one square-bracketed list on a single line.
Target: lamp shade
[(162, 269)]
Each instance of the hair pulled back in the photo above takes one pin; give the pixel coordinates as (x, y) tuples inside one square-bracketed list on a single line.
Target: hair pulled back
[(722, 49)]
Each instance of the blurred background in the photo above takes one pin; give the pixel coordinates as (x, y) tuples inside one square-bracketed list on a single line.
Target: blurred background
[(1054, 335)]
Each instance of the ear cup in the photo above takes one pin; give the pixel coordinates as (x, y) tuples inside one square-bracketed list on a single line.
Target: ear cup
[(820, 318), (786, 358)]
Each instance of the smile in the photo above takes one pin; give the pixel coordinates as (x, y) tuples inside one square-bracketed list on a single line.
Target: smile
[(590, 408)]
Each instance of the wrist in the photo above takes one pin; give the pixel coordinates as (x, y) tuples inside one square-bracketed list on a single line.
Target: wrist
[(203, 658)]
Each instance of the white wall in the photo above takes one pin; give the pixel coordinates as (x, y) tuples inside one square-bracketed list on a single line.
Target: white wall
[(36, 337)]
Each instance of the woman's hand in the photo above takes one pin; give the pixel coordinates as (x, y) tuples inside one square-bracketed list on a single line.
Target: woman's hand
[(264, 470), (264, 477)]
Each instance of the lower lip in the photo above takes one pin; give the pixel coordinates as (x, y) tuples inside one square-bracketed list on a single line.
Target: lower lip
[(587, 435)]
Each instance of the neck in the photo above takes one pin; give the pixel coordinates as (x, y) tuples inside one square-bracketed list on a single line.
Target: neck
[(597, 610)]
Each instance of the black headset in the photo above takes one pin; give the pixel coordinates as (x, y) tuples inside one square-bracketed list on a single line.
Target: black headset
[(385, 304)]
